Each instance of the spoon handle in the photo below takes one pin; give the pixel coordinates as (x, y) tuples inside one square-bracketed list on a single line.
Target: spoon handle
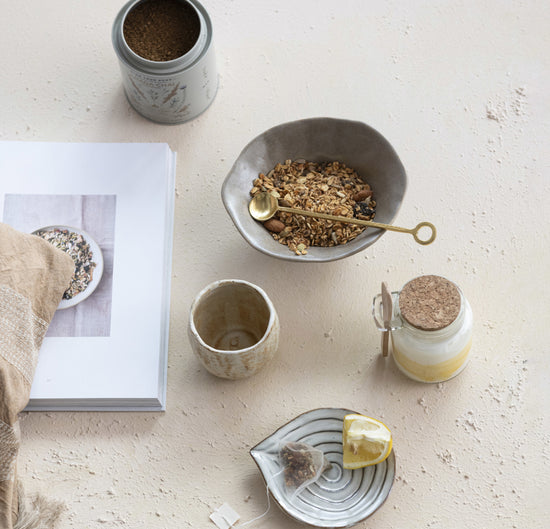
[(414, 231)]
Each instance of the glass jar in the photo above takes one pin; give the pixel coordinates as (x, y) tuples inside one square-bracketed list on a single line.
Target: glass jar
[(431, 328)]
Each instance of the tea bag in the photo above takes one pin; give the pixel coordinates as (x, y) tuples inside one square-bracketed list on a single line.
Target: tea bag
[(302, 465)]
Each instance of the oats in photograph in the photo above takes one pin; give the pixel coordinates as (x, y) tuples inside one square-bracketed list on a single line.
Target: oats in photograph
[(78, 248)]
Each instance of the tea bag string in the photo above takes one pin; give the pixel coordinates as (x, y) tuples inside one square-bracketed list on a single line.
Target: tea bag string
[(268, 502)]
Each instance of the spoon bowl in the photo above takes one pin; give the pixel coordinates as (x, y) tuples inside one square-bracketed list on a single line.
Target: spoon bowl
[(263, 206)]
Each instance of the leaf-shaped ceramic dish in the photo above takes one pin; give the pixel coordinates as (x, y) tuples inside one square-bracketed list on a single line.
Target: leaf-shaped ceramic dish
[(339, 498)]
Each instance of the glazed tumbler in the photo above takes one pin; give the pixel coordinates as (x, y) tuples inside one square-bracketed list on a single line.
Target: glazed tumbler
[(233, 328)]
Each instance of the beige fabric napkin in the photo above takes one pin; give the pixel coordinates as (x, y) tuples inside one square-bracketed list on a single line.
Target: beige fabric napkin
[(33, 277)]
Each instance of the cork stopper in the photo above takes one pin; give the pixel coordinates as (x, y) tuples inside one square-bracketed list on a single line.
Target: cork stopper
[(429, 302)]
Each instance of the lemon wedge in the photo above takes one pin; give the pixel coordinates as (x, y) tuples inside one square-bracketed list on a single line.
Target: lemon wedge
[(365, 441)]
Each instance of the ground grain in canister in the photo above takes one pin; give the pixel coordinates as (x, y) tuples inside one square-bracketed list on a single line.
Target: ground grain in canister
[(161, 30)]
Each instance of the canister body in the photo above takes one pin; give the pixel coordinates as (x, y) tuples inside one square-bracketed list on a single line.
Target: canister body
[(174, 91)]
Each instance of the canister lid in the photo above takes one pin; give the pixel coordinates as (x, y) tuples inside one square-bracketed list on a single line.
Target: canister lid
[(429, 302)]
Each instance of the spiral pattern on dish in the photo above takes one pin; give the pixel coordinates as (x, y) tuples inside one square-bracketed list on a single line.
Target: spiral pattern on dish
[(340, 497)]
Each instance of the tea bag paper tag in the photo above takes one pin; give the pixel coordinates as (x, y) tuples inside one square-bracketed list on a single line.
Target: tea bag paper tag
[(225, 517)]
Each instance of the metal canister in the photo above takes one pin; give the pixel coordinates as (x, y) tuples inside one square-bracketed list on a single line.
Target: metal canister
[(172, 91)]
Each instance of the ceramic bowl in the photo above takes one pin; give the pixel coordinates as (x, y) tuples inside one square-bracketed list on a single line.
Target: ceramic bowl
[(319, 140)]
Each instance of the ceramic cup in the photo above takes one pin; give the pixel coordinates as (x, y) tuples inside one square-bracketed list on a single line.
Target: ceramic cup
[(233, 328)]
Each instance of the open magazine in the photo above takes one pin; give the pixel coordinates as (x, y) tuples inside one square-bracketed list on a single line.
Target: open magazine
[(111, 205)]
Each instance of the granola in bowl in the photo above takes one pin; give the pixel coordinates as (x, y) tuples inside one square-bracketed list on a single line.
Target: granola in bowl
[(329, 187)]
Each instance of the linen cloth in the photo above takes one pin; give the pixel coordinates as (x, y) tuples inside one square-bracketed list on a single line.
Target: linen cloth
[(33, 277)]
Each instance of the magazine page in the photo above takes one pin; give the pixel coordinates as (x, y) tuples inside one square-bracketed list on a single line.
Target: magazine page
[(108, 350)]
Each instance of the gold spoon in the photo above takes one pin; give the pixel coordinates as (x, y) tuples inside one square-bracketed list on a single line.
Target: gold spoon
[(264, 205)]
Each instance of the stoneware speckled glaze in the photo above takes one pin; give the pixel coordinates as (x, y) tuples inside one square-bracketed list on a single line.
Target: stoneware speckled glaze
[(233, 328), (340, 497), (320, 140)]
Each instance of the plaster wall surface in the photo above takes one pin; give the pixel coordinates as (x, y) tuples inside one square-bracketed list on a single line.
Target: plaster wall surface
[(460, 89)]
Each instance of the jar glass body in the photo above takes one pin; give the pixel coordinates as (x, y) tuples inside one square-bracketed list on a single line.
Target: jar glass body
[(429, 356)]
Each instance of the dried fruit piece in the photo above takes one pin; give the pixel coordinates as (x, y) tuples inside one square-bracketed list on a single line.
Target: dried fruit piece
[(362, 210)]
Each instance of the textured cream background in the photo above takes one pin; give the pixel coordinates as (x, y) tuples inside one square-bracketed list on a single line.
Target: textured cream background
[(461, 91)]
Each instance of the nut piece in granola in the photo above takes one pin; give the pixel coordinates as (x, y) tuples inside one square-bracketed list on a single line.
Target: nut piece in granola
[(274, 225), (328, 187)]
